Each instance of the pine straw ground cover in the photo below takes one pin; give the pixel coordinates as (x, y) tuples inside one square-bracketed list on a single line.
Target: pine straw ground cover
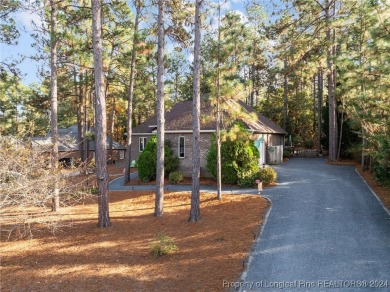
[(86, 258)]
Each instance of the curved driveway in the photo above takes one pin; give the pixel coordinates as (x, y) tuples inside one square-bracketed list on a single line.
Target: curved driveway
[(326, 231)]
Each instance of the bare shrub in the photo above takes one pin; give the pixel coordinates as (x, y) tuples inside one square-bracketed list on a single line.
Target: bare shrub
[(26, 189)]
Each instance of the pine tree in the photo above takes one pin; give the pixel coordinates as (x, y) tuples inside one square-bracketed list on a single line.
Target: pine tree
[(52, 6), (195, 196), (159, 202), (131, 92), (100, 117)]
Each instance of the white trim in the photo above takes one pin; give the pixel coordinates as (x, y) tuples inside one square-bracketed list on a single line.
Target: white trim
[(184, 147), (143, 144), (141, 134)]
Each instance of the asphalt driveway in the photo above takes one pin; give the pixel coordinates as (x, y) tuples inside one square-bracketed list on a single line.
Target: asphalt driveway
[(326, 231)]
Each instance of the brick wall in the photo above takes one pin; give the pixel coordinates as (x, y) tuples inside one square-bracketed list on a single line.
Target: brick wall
[(186, 163), (135, 153)]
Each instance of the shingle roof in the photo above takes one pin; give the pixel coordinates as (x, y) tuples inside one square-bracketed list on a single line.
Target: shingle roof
[(68, 141), (179, 118)]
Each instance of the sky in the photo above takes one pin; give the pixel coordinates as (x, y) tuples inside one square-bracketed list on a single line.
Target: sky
[(29, 67)]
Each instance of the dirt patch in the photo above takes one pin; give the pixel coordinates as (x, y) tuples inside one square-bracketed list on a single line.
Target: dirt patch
[(86, 258)]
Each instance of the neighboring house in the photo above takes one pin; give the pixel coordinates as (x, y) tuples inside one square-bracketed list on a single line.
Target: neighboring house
[(268, 136), (69, 144)]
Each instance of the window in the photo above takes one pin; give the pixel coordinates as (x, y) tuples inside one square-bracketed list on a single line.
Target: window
[(142, 143), (181, 147), (121, 154)]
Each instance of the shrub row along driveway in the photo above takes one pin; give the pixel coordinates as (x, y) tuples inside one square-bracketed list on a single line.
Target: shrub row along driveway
[(326, 231)]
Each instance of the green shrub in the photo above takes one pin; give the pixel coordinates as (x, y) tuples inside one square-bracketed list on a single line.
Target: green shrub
[(247, 182), (287, 153), (382, 160), (309, 144), (147, 166), (163, 245), (147, 161), (239, 156), (175, 177), (354, 152), (171, 162), (267, 175), (94, 191)]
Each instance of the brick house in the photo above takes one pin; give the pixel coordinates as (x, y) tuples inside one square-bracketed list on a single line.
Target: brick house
[(268, 136), (69, 144)]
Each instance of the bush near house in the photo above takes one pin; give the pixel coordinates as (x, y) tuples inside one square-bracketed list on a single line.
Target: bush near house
[(287, 153), (147, 161), (239, 156), (175, 177), (266, 175)]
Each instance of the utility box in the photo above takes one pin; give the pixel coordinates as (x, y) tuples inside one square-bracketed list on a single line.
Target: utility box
[(275, 154)]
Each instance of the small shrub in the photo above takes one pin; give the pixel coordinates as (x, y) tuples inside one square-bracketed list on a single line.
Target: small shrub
[(175, 177), (93, 191), (267, 175), (353, 152), (287, 153), (309, 144), (163, 245), (247, 182), (382, 160), (171, 162)]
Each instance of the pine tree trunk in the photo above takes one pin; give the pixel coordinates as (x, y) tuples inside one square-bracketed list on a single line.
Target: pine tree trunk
[(364, 144), (314, 104), (160, 113), (80, 115), (87, 122), (331, 92), (111, 129), (54, 103), (131, 95), (100, 117), (218, 124), (285, 97), (195, 196), (253, 93), (320, 98), (340, 134)]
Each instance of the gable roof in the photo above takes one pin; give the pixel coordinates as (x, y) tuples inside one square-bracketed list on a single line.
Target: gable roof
[(179, 118), (68, 141)]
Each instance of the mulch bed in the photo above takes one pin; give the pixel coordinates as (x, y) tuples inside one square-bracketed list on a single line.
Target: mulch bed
[(82, 257)]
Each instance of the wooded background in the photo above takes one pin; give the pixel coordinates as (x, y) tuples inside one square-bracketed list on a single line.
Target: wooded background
[(318, 68)]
